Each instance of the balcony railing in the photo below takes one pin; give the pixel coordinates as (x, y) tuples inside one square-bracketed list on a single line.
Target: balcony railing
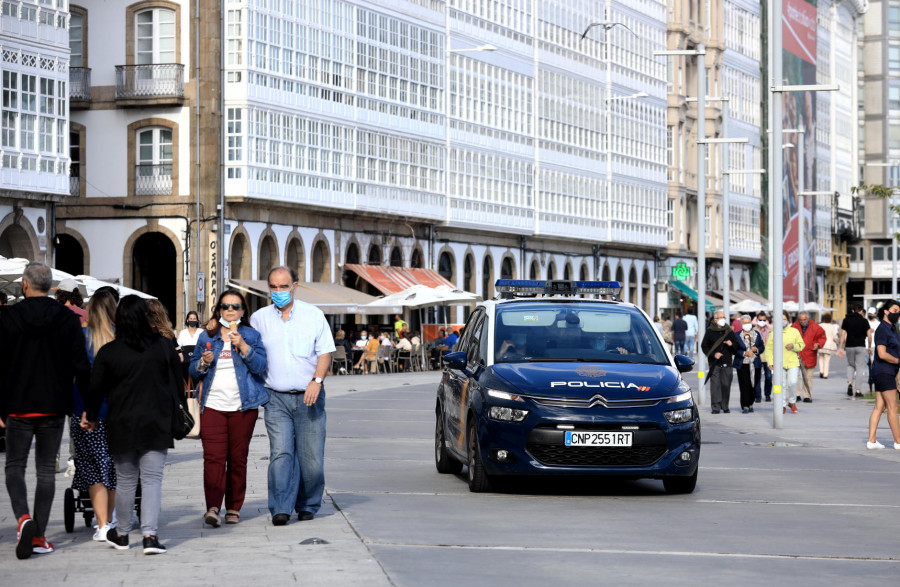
[(153, 180), (148, 82), (80, 83), (75, 179)]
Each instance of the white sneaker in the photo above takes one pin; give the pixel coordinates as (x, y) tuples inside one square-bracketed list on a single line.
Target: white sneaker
[(100, 534), (876, 444), (897, 446)]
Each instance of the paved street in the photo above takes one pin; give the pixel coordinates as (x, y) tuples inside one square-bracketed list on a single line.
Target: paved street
[(807, 505)]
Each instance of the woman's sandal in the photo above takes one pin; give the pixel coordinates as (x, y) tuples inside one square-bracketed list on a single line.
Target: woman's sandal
[(212, 517), (232, 517)]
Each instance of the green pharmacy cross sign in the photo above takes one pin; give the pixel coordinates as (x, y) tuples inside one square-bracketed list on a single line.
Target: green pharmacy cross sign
[(681, 272)]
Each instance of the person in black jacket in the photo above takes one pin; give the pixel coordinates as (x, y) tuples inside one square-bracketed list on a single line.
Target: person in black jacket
[(43, 352), (725, 352), (139, 375)]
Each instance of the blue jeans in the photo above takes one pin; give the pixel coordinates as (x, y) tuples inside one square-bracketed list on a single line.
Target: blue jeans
[(296, 452), (760, 373), (689, 344), (679, 347)]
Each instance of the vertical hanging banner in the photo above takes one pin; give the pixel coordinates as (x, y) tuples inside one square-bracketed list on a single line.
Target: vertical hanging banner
[(799, 23)]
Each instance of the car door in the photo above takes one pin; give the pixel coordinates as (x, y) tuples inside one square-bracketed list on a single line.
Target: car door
[(458, 386)]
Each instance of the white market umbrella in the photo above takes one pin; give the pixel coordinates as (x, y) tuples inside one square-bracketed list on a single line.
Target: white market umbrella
[(92, 284), (422, 296), (747, 306)]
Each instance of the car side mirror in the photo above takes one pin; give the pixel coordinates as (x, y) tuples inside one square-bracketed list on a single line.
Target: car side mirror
[(683, 364), (457, 360)]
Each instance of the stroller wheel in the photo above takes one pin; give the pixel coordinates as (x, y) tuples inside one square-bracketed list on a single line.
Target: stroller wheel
[(69, 510)]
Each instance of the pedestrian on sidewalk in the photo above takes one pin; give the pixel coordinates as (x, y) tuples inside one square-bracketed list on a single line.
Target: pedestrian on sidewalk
[(724, 350), (873, 325), (139, 375), (831, 344), (679, 334), (790, 362), (690, 335), (749, 336), (884, 373), (856, 334), (761, 372), (813, 340), (43, 349), (231, 379), (298, 345)]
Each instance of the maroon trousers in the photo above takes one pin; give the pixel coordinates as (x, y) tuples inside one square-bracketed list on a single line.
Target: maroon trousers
[(226, 443)]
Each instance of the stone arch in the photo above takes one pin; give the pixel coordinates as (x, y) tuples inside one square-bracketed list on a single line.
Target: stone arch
[(321, 260), (17, 237), (396, 258), (416, 259), (646, 291), (294, 256), (62, 229), (266, 254), (606, 272), (469, 272), (584, 274), (153, 226), (633, 285), (487, 276), (373, 256), (551, 270), (447, 264), (567, 271), (239, 254), (507, 267)]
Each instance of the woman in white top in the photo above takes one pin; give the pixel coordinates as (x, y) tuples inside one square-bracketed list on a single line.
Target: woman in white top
[(230, 363), (832, 335), (187, 340)]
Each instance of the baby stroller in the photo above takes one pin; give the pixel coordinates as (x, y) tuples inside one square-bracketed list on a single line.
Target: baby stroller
[(82, 505)]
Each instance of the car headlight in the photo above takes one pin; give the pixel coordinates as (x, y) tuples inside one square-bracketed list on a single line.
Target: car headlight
[(684, 396), (496, 393), (680, 416), (504, 414)]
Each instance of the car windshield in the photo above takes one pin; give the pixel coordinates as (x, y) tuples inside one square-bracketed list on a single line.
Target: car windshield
[(564, 331)]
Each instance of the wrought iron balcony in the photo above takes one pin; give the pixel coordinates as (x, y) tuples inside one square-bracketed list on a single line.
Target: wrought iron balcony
[(79, 84), (75, 180), (153, 180), (159, 84)]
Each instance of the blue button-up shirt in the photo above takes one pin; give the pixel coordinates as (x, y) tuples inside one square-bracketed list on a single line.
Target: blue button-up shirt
[(293, 346)]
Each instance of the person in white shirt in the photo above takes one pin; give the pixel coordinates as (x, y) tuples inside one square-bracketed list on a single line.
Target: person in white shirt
[(690, 335)]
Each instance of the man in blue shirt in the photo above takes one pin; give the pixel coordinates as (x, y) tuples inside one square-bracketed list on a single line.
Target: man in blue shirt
[(690, 335), (452, 340), (298, 345)]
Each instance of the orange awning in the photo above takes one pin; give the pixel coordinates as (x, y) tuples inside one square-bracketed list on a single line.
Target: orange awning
[(390, 280)]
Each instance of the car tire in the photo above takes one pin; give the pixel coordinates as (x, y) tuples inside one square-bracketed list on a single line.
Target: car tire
[(443, 461), (680, 485), (479, 481)]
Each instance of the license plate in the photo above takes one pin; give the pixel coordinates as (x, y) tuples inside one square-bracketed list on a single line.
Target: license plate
[(598, 438)]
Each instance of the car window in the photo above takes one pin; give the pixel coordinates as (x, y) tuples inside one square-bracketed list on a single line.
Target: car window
[(575, 331), (465, 339)]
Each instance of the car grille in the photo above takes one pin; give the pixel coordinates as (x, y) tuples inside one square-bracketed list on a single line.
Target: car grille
[(590, 456), (595, 400)]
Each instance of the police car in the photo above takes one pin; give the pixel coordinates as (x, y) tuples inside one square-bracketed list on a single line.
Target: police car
[(545, 380)]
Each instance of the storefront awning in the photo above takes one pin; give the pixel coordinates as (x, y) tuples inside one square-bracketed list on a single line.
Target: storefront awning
[(331, 298), (390, 280), (680, 286)]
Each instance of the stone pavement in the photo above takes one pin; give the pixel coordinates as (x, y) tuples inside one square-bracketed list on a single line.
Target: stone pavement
[(244, 554), (256, 551)]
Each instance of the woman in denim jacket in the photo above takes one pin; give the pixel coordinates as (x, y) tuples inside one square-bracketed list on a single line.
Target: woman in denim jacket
[(230, 364)]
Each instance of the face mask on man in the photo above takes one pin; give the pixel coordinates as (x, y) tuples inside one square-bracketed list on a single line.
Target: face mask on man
[(721, 321), (280, 298), (747, 327), (804, 323), (894, 318)]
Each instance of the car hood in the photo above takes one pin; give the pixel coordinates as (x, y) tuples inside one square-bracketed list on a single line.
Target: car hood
[(584, 380)]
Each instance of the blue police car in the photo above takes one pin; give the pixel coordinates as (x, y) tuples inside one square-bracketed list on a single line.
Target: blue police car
[(546, 380)]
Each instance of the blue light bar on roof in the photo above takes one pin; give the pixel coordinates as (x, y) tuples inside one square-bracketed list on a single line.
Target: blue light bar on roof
[(565, 288)]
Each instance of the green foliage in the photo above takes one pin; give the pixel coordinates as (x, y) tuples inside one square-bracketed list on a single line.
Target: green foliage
[(879, 191)]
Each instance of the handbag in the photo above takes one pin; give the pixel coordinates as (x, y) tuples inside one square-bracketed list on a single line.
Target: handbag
[(193, 406), (182, 421)]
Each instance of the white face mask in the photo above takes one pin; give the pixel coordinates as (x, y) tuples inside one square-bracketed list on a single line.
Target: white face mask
[(228, 324), (721, 321), (747, 327), (762, 322)]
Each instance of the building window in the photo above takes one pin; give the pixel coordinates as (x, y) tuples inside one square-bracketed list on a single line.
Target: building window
[(155, 35), (153, 173), (670, 220), (77, 39)]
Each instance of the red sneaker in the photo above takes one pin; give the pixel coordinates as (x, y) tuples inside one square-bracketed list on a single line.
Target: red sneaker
[(24, 537), (794, 409), (40, 545)]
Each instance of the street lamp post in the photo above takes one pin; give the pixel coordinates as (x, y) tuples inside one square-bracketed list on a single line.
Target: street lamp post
[(700, 53)]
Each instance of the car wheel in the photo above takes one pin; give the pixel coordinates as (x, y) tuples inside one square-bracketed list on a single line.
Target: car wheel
[(442, 459), (69, 509), (676, 485), (479, 481)]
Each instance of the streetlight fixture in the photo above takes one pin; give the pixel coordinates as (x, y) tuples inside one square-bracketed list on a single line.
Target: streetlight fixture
[(447, 102), (700, 53), (776, 47)]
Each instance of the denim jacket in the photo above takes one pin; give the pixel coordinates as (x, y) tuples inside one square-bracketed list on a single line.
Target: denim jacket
[(250, 371)]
